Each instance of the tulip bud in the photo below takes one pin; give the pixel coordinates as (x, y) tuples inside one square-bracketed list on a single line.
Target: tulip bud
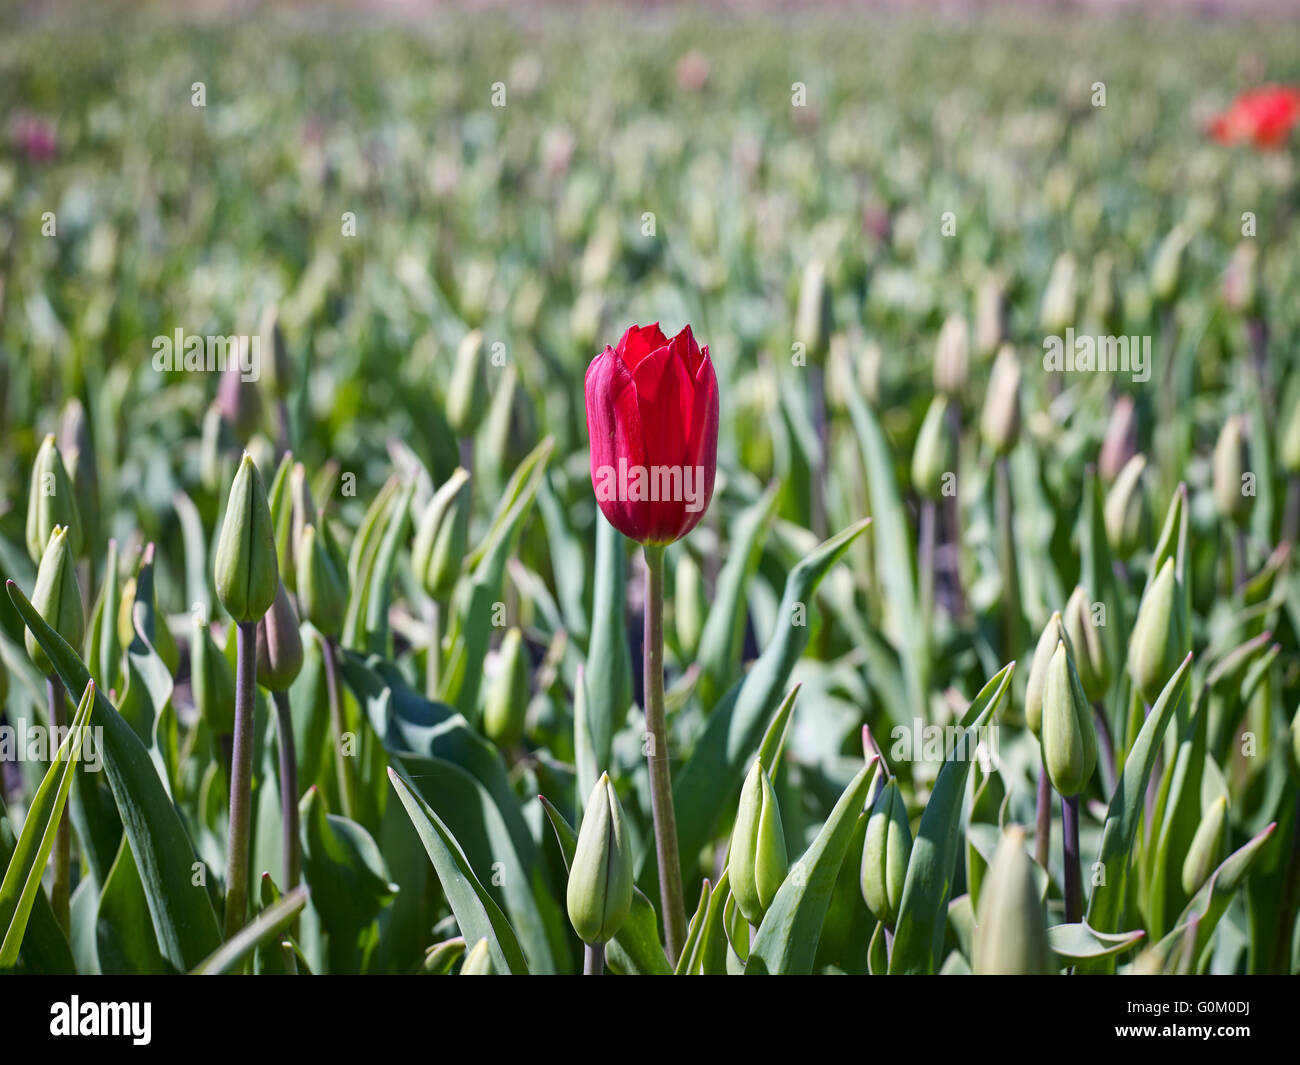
[(1059, 299), (1295, 741), (1208, 847), (443, 537), (275, 354), (952, 357), (279, 644), (1103, 302), (505, 702), (322, 583), (478, 960), (1053, 633), (212, 680), (1087, 646), (813, 323), (599, 896), (238, 400), (246, 571), (215, 443), (57, 598), (885, 854), (1290, 449), (1001, 423), (1231, 465), (79, 459), (1240, 287), (1127, 512), (1166, 268), (935, 454), (870, 366), (690, 606), (990, 311), (467, 391), (51, 502), (1011, 936), (1069, 740), (758, 861), (1155, 646), (1120, 442), (4, 682)]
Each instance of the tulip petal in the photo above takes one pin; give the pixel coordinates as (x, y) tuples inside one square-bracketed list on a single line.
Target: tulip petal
[(614, 431), (638, 342)]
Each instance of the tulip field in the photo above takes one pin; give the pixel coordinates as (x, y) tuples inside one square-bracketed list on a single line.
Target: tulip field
[(649, 490)]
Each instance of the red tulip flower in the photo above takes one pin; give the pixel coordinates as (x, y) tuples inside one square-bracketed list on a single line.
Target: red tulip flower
[(1264, 116), (652, 416)]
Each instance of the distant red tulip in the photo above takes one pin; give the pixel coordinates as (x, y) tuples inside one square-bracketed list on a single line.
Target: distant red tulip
[(652, 416), (1263, 116), (34, 138)]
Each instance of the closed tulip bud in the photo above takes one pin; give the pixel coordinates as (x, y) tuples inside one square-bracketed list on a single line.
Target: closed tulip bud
[(1059, 298), (1103, 301), (1011, 936), (276, 369), (1001, 421), (652, 419), (1068, 738), (467, 391), (4, 682), (1155, 646), (51, 502), (279, 644), (1231, 467), (1121, 440), (79, 459), (246, 571), (212, 680), (478, 960), (239, 400), (952, 357), (690, 605), (216, 440), (1208, 846), (57, 598), (1127, 512), (1240, 280), (505, 702), (442, 538), (1295, 741), (322, 583), (599, 896), (1290, 449), (870, 366), (885, 853), (813, 322), (1166, 267), (1053, 633), (935, 454), (1087, 646), (990, 312), (758, 862)]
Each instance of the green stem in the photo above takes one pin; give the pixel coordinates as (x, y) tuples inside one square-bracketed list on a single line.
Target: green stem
[(593, 959), (341, 763), (1070, 854), (241, 779), (925, 552), (671, 897), (1043, 819), (1007, 559), (288, 789), (61, 885)]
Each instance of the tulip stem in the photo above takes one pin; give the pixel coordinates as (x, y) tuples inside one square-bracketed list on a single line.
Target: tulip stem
[(1043, 819), (671, 897), (288, 788), (1107, 746), (61, 885), (925, 552), (1291, 517), (1070, 851), (1007, 557), (1239, 557), (241, 778), (337, 724), (593, 959)]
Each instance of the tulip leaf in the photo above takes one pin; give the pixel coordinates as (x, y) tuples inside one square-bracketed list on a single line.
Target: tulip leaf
[(183, 918), (693, 930), (476, 914), (778, 729), (1074, 942), (22, 879), (45, 948), (607, 674), (791, 929), (124, 939), (266, 927), (918, 932)]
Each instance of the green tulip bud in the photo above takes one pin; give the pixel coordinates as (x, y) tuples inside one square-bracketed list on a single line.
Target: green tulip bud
[(1240, 280), (212, 680), (1059, 298), (1127, 512), (467, 391), (57, 598), (1231, 467), (935, 454), (1295, 741), (871, 365), (51, 502), (79, 459), (246, 571), (1290, 437), (1069, 740), (442, 538), (1155, 646), (1103, 300), (4, 683), (885, 854), (478, 960), (505, 702), (1208, 848), (758, 861), (239, 400), (1001, 422), (1119, 445), (690, 605), (215, 444), (813, 321), (1053, 633), (275, 354), (1087, 646), (952, 357), (599, 896), (1166, 267), (1011, 934), (990, 314), (279, 644), (322, 582)]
